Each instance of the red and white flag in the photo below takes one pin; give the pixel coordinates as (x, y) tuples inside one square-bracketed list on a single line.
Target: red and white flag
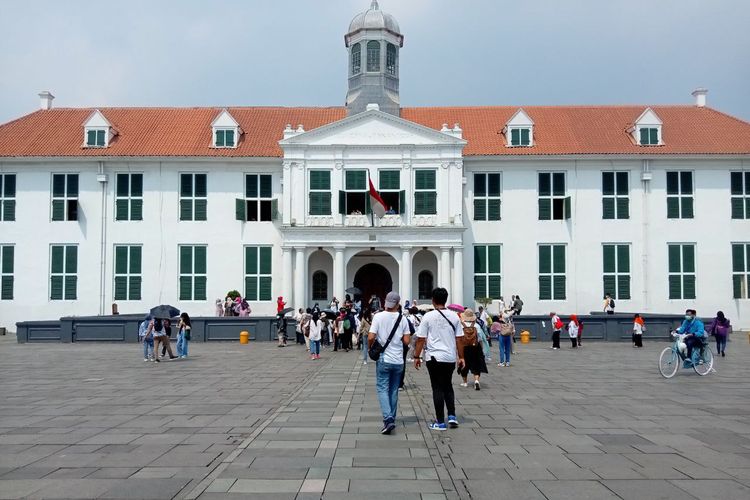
[(376, 202)]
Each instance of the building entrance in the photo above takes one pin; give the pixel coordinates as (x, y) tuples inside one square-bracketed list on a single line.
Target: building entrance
[(373, 279)]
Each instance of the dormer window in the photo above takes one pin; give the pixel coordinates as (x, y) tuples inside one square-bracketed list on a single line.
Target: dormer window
[(226, 131), (647, 129), (97, 131), (519, 130)]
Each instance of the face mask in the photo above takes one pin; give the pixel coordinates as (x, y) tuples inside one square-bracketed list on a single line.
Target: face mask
[(688, 317)]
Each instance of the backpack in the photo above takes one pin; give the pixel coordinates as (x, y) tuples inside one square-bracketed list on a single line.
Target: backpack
[(612, 303), (347, 323), (470, 334)]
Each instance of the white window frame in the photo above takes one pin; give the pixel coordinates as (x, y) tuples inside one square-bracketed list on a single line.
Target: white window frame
[(64, 274), (682, 273), (192, 274), (311, 190), (259, 198), (617, 272), (511, 128), (5, 274), (64, 198), (129, 198), (486, 197), (127, 274), (487, 274), (614, 196), (7, 198), (552, 274), (234, 130), (86, 131), (745, 274), (658, 135)]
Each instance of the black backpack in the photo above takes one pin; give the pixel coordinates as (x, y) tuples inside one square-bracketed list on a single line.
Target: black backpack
[(612, 303)]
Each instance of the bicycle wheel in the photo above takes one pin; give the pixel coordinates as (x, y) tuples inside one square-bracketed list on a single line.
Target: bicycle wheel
[(707, 365), (669, 362)]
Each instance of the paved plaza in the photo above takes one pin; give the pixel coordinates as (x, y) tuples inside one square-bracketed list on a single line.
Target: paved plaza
[(95, 421)]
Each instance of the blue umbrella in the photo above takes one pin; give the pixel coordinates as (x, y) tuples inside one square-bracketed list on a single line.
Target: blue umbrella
[(164, 312)]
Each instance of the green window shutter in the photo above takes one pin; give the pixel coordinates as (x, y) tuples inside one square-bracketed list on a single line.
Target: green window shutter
[(136, 185), (314, 203), (623, 208), (673, 207), (251, 288), (545, 184), (493, 259), (320, 179), (56, 288), (57, 259), (200, 288), (608, 208), (737, 282), (200, 185), (622, 184), (568, 208), (71, 287), (545, 209), (265, 258), (121, 210), (480, 184), (738, 208), (186, 260), (134, 292), (494, 289), (402, 201), (686, 183), (623, 287), (493, 209), (653, 135), (736, 183), (91, 137), (480, 209), (525, 137), (558, 259), (608, 183), (419, 203), (200, 260), (673, 182), (643, 136), (608, 258), (623, 259), (688, 290), (356, 179), (275, 209), (368, 207), (201, 212), (390, 179), (229, 138), (493, 184), (480, 287), (266, 186), (72, 188), (610, 285), (58, 185), (9, 186), (738, 258), (264, 288), (72, 209), (431, 202), (688, 259), (9, 210), (325, 203), (425, 179), (480, 259), (186, 288), (747, 182), (515, 137), (136, 253), (558, 184), (186, 185), (545, 287), (342, 202), (674, 259), (251, 260), (7, 263), (100, 139), (219, 138), (251, 186), (121, 288), (58, 210), (6, 288), (240, 209), (186, 209), (747, 207), (675, 287), (687, 207), (558, 287), (545, 259), (136, 209), (121, 260), (71, 259), (123, 185)]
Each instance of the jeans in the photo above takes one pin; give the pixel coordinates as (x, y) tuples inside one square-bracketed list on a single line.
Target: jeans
[(505, 347), (387, 378), (365, 345), (182, 345), (721, 343), (148, 347), (442, 388), (315, 347)]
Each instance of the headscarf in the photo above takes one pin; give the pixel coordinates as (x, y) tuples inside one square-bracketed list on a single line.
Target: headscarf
[(639, 320), (574, 319), (721, 319)]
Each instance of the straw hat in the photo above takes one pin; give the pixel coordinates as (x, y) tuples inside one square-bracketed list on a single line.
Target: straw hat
[(468, 316)]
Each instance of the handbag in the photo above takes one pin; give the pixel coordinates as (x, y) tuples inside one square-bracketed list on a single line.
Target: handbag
[(376, 349)]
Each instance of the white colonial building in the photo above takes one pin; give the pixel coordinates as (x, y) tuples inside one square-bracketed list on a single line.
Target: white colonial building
[(142, 206)]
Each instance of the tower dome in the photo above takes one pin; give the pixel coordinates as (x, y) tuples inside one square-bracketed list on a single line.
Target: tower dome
[(373, 41), (374, 19)]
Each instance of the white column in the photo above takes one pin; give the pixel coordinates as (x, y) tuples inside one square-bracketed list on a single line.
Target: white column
[(458, 275), (300, 278), (339, 274), (445, 271), (406, 278), (287, 275)]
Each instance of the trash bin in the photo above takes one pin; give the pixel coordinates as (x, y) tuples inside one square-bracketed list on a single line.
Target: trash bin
[(244, 336), (525, 337)]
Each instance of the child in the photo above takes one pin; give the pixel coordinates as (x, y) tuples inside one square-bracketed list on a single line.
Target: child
[(145, 338)]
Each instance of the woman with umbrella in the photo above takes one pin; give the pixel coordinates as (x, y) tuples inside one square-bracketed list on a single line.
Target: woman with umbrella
[(158, 330)]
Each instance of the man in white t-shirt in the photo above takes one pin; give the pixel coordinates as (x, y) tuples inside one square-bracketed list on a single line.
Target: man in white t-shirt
[(441, 337), (390, 366)]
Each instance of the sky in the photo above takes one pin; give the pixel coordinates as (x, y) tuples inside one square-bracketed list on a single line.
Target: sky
[(291, 52)]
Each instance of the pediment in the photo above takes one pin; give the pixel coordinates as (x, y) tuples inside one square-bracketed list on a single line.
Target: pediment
[(648, 117), (373, 128), (96, 119), (520, 118)]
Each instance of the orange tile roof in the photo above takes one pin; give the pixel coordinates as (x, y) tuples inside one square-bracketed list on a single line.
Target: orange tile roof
[(558, 130)]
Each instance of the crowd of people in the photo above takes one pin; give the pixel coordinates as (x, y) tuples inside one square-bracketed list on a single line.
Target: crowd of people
[(155, 333)]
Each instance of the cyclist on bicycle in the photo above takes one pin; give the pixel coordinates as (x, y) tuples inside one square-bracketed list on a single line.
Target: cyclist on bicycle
[(694, 330)]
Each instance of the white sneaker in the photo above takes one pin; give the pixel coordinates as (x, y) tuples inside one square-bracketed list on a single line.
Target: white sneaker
[(146, 360), (464, 384), (500, 364)]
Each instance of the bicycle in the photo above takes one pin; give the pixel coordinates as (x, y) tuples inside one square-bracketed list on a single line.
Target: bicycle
[(702, 358)]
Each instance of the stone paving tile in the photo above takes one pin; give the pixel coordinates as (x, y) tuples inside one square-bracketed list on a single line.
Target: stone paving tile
[(574, 490), (639, 489)]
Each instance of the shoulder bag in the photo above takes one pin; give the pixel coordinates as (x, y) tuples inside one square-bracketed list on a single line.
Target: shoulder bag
[(376, 349)]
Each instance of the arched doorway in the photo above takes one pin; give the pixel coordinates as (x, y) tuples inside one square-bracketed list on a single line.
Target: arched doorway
[(373, 279)]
